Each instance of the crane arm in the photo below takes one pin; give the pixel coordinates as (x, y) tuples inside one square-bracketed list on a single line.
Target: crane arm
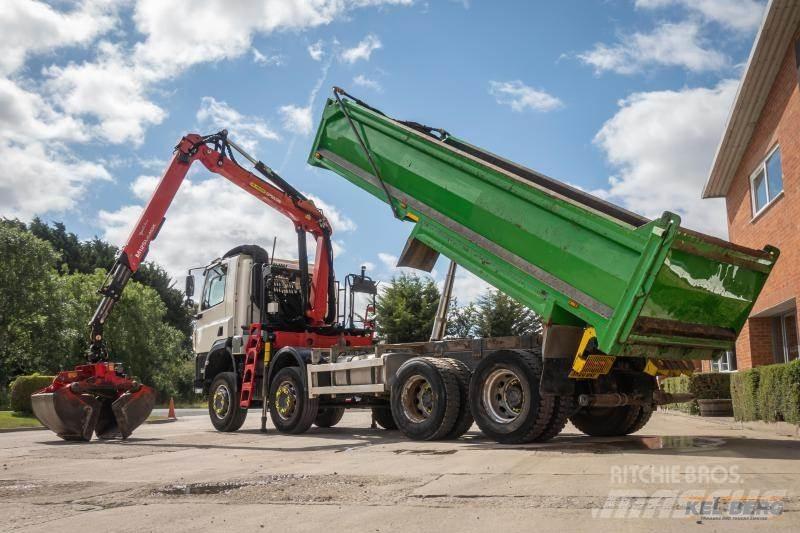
[(215, 152)]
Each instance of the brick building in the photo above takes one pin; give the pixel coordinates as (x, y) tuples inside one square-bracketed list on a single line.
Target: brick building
[(757, 171)]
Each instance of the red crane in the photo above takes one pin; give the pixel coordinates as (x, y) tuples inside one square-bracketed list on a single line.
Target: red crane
[(98, 397)]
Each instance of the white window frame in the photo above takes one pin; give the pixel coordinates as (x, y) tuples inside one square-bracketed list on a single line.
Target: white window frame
[(762, 167), (730, 360)]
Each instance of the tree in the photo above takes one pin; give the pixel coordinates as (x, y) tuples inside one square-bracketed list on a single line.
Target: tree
[(406, 308), (461, 321), (136, 333), (85, 257), (31, 307), (500, 315)]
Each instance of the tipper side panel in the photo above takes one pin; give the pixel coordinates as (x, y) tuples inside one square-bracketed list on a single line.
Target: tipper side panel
[(649, 288)]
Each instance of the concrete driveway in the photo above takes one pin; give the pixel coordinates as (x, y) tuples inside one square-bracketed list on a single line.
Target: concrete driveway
[(678, 473)]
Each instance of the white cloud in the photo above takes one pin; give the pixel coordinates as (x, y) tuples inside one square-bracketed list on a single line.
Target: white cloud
[(316, 51), (246, 130), (25, 116), (43, 177), (338, 220), (363, 50), (662, 143), (276, 60), (522, 97), (467, 286), (109, 89), (368, 83), (389, 261), (187, 223), (740, 15), (109, 95), (296, 119), (672, 45), (32, 27)]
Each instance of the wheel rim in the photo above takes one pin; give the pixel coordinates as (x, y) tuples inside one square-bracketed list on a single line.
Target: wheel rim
[(417, 399), (221, 401), (503, 396), (286, 400)]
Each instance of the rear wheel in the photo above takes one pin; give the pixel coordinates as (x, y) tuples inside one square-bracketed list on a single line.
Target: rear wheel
[(383, 416), (290, 408), (464, 419), (223, 404), (505, 399), (327, 417), (611, 421), (425, 398)]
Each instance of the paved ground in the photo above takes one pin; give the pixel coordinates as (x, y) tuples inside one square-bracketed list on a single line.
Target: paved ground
[(183, 476)]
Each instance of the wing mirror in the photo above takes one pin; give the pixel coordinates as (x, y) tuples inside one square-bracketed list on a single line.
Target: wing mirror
[(189, 290)]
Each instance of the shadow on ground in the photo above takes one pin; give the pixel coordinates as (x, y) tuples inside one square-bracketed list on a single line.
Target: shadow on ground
[(357, 438)]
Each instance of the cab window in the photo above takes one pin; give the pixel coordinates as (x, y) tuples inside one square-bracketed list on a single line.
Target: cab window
[(214, 289)]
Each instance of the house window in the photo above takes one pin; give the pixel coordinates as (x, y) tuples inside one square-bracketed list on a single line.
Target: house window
[(784, 337), (766, 183), (724, 363)]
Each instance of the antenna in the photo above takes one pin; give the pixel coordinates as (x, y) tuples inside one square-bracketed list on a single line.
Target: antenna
[(274, 242)]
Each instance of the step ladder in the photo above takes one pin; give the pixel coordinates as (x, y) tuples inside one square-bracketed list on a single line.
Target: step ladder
[(253, 348)]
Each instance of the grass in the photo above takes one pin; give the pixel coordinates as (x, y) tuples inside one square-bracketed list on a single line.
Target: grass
[(11, 420)]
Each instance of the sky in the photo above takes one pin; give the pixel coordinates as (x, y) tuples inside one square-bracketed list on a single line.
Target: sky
[(626, 99)]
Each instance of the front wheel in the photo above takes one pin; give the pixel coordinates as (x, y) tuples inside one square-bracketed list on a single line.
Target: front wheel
[(290, 408), (223, 404)]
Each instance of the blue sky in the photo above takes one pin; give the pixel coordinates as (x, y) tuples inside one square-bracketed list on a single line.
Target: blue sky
[(625, 98)]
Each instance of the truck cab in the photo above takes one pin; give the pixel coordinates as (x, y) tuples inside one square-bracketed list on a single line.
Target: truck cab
[(244, 287)]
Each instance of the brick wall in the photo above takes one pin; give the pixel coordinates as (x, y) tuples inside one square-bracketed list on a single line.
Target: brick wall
[(779, 223)]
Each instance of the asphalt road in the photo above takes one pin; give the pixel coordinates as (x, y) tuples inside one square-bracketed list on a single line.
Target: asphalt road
[(183, 476)]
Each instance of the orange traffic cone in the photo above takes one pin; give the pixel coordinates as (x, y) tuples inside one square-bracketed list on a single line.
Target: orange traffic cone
[(171, 414)]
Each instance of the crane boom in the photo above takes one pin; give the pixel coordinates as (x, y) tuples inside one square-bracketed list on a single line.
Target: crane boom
[(215, 153), (99, 397)]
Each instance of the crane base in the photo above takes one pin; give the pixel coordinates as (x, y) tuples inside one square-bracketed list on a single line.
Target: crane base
[(93, 399)]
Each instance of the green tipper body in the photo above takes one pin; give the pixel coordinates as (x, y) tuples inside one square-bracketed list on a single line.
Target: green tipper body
[(649, 288)]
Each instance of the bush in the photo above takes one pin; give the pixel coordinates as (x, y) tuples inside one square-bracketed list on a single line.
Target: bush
[(711, 386), (770, 392), (744, 392), (679, 385), (22, 388), (790, 406), (708, 386)]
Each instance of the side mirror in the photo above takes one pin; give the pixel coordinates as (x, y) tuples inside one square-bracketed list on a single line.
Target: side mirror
[(189, 286)]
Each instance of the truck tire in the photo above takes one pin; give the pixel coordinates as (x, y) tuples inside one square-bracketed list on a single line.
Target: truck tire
[(505, 399), (383, 416), (327, 417), (223, 403), (563, 407), (610, 421), (290, 408), (646, 411), (464, 419), (425, 398)]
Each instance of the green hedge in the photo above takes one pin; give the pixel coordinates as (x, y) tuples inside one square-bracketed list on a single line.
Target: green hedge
[(679, 385), (708, 386), (744, 393), (711, 386), (769, 393), (22, 388)]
